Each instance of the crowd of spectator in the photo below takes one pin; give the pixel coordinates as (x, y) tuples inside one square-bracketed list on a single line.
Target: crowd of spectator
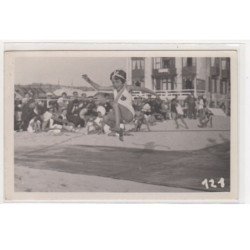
[(69, 113), (72, 113)]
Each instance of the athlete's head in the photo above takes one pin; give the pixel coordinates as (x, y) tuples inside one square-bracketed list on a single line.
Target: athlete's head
[(118, 78)]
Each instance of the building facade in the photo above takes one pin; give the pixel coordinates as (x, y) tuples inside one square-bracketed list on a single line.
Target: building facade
[(209, 77)]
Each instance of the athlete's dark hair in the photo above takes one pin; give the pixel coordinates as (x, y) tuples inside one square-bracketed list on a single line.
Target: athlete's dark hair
[(119, 73)]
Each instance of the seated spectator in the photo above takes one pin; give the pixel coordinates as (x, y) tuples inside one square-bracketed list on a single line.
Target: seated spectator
[(107, 106), (45, 117), (63, 116), (88, 111), (34, 125), (98, 122), (90, 126), (59, 121), (91, 106), (73, 111)]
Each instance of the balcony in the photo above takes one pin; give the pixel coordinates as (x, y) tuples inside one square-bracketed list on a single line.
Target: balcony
[(164, 72), (189, 71), (182, 94), (214, 71)]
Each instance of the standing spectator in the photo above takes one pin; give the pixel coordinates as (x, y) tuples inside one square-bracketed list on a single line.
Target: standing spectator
[(164, 109), (62, 102), (179, 115), (200, 105), (27, 111), (18, 115), (191, 110), (173, 107), (157, 104), (147, 111), (177, 112), (75, 95)]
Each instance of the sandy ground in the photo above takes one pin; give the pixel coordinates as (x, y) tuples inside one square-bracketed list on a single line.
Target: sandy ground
[(163, 137), (28, 180)]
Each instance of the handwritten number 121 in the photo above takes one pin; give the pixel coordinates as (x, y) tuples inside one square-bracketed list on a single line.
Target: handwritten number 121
[(211, 183)]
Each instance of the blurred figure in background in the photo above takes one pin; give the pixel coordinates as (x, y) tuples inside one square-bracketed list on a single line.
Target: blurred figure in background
[(62, 102), (200, 105), (28, 105), (18, 115), (191, 109), (206, 117), (179, 115), (164, 110)]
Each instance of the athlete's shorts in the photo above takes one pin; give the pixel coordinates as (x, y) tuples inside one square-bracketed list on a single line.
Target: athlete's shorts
[(126, 116)]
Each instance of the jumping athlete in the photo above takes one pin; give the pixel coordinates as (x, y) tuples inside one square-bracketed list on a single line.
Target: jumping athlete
[(123, 111)]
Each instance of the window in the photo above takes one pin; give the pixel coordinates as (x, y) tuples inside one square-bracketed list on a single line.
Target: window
[(212, 61), (157, 63), (215, 85), (170, 84), (164, 84), (134, 64), (166, 63), (223, 64), (138, 63), (217, 62), (184, 62), (210, 87), (158, 84), (189, 61), (221, 88), (142, 63)]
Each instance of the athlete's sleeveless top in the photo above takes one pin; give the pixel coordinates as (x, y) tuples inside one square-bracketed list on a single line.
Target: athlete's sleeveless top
[(124, 98)]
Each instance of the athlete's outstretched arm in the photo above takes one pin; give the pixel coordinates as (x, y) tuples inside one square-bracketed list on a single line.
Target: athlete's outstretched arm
[(142, 89)]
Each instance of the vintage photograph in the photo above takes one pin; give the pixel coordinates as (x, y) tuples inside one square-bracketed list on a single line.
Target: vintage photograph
[(121, 123)]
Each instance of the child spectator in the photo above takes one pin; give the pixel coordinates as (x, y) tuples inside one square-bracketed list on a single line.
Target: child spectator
[(206, 117), (98, 122), (90, 126), (139, 119), (34, 125)]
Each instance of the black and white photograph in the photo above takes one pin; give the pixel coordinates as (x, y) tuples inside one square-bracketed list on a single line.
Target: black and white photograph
[(122, 123)]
